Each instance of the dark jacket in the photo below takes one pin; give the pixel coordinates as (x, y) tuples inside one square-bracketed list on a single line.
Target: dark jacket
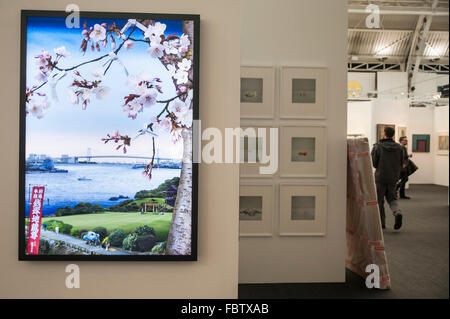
[(405, 158), (388, 159)]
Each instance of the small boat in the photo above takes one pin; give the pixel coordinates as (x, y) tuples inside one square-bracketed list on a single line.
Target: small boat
[(84, 179)]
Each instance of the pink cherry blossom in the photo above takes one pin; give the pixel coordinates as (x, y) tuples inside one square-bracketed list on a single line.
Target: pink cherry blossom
[(156, 50), (98, 33), (185, 65), (148, 98), (128, 44), (181, 77), (61, 51)]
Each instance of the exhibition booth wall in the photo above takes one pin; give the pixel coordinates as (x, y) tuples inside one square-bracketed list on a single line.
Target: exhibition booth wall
[(215, 274), (308, 34), (393, 107)]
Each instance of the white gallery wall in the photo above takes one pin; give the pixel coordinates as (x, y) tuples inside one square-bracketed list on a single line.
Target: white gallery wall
[(392, 107), (306, 33), (441, 173)]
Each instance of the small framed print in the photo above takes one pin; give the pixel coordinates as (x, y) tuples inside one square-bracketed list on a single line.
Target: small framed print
[(303, 151), (257, 92), (401, 131), (256, 207), (303, 210), (303, 93), (442, 143), (421, 143), (380, 131), (256, 144)]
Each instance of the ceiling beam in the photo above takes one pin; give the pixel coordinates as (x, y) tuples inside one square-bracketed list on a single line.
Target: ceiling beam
[(419, 47), (402, 12), (411, 44), (396, 59)]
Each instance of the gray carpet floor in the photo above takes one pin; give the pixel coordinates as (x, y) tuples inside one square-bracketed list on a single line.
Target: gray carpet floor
[(418, 257)]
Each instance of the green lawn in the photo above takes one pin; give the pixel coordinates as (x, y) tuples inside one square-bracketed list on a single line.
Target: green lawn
[(126, 221)]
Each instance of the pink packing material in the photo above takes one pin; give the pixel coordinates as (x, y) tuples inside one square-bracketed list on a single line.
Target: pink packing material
[(365, 243)]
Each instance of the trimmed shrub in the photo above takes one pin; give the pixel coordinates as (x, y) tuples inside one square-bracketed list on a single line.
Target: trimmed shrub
[(82, 232), (101, 231), (44, 247), (65, 228), (164, 208), (131, 242), (51, 224), (75, 232), (144, 230), (146, 243), (116, 237), (159, 248)]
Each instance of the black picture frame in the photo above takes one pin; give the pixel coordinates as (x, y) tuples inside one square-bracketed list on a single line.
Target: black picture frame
[(22, 137)]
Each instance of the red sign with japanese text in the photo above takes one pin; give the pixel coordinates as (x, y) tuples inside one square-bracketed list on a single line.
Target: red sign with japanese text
[(34, 227)]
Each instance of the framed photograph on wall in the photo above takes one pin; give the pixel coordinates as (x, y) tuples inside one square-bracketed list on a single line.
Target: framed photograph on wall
[(255, 150), (106, 113), (303, 210), (421, 143), (442, 143), (380, 131), (256, 208), (257, 92), (303, 93), (303, 151), (401, 131)]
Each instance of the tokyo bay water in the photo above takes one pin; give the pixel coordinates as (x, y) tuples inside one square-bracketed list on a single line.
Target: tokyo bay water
[(99, 182)]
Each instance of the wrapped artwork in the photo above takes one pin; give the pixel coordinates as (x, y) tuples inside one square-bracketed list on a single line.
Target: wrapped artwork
[(365, 243)]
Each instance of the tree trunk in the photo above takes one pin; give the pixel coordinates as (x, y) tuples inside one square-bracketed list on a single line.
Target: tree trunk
[(180, 233)]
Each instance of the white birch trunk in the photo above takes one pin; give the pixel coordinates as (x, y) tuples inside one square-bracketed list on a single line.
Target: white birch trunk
[(180, 233)]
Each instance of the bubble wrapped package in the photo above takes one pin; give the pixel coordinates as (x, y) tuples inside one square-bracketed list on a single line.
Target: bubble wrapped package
[(365, 244)]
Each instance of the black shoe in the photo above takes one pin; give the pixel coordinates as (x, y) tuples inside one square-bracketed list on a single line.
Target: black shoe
[(405, 197), (398, 221)]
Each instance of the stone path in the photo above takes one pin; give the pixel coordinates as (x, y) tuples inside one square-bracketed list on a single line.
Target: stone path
[(78, 243)]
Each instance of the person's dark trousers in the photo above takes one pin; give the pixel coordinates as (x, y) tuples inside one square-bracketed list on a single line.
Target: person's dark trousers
[(388, 191), (401, 184)]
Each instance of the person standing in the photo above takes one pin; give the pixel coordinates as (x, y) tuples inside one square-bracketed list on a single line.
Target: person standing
[(387, 159), (404, 172)]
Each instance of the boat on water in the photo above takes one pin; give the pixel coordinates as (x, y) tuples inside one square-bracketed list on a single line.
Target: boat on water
[(84, 179)]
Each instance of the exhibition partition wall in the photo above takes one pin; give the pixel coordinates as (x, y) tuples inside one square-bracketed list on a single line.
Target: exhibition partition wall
[(215, 273), (307, 244)]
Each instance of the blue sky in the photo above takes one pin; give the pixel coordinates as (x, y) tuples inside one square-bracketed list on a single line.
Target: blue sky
[(66, 128)]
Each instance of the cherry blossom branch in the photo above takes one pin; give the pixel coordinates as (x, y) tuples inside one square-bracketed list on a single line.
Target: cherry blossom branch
[(81, 64), (149, 167), (117, 138), (37, 88), (118, 49), (172, 99), (138, 40)]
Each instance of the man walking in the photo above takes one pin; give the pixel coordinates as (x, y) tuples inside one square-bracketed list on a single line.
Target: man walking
[(388, 160), (404, 172)]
